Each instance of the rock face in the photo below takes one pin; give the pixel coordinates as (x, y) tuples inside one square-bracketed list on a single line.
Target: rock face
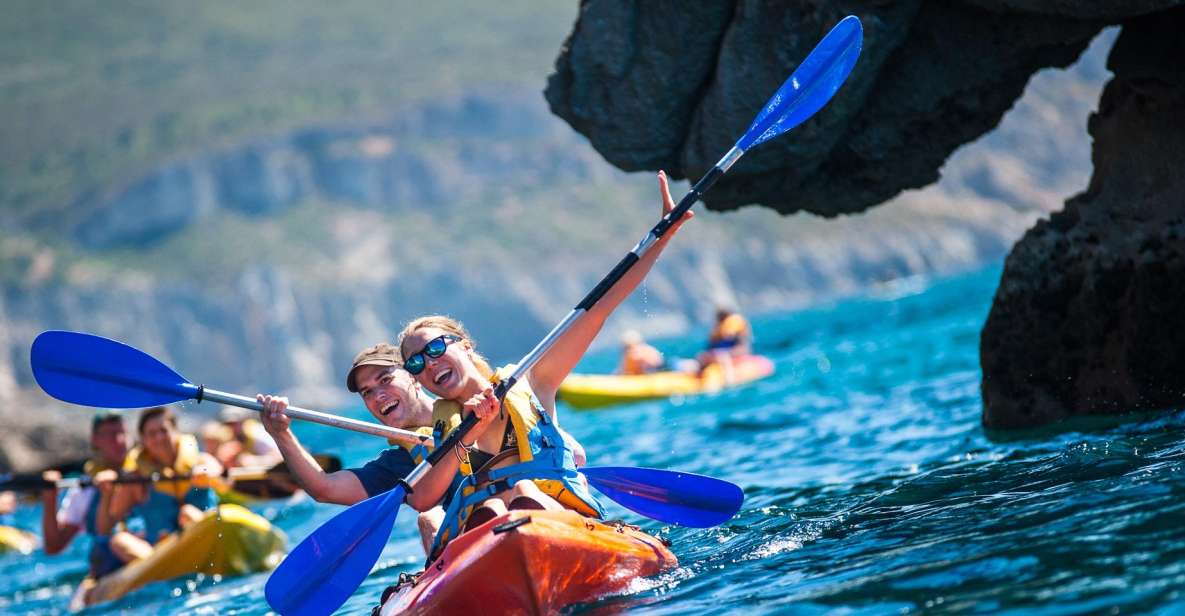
[(653, 86), (1083, 320), (1087, 319)]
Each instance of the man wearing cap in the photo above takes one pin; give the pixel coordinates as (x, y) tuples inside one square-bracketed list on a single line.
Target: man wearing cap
[(79, 510), (394, 398)]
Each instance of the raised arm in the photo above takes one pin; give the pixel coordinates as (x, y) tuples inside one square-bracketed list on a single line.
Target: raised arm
[(561, 358), (341, 487)]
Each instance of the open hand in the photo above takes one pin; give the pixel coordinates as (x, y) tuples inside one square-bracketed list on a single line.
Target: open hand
[(668, 203)]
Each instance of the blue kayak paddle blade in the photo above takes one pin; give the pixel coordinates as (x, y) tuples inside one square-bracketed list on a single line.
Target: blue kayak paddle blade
[(812, 85), (684, 499), (327, 567), (92, 370)]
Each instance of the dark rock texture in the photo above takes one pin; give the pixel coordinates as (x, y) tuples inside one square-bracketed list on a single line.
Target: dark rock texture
[(655, 85), (1088, 316)]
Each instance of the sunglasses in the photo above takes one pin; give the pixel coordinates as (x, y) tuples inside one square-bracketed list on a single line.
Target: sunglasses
[(416, 362)]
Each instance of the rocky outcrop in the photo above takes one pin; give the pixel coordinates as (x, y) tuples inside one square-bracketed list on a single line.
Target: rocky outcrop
[(1087, 317), (1080, 322), (653, 86)]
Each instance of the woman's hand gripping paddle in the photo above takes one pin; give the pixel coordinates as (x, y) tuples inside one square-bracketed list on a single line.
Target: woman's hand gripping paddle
[(331, 556)]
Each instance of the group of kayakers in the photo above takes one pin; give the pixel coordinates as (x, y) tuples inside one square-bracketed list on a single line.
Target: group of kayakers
[(516, 457), (137, 495)]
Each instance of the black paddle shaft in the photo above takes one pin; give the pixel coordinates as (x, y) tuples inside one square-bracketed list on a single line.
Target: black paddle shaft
[(664, 224), (660, 229)]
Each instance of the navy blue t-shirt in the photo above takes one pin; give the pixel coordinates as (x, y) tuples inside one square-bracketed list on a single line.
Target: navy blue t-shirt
[(384, 472)]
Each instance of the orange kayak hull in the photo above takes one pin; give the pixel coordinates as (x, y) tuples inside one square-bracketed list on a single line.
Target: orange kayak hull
[(531, 562)]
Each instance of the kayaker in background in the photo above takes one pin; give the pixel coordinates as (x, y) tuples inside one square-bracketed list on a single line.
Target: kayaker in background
[(80, 506), (249, 444), (7, 505), (515, 457), (730, 337), (395, 399), (637, 357), (165, 506), (214, 435)]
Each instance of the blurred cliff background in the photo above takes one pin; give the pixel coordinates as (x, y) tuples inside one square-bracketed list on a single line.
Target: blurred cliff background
[(254, 192)]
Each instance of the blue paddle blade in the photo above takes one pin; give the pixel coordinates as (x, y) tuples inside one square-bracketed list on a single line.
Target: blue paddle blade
[(685, 499), (328, 566), (811, 85), (94, 371)]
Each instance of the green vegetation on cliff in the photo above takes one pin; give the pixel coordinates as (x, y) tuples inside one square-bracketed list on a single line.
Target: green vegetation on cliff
[(95, 93)]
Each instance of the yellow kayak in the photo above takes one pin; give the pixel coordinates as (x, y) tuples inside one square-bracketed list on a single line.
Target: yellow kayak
[(230, 540), (589, 391), (16, 540)]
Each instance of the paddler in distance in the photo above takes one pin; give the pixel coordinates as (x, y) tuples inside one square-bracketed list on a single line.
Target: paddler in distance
[(80, 505), (637, 357), (515, 457), (395, 399), (170, 505), (249, 444), (731, 336)]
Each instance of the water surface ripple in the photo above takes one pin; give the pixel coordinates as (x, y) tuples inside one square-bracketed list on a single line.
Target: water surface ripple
[(871, 487)]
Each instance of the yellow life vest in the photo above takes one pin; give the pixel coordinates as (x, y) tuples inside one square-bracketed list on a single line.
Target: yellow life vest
[(140, 462), (250, 427), (419, 452), (94, 467), (533, 431), (733, 326)]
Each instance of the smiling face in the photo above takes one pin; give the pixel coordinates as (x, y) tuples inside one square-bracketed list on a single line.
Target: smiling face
[(159, 437), (454, 375), (392, 396)]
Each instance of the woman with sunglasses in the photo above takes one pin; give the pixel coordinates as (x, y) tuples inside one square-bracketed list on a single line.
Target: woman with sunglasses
[(515, 457)]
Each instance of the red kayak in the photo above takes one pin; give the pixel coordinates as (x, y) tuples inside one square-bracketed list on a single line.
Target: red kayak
[(530, 562)]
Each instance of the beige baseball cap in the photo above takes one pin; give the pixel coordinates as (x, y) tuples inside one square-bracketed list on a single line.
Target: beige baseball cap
[(381, 354)]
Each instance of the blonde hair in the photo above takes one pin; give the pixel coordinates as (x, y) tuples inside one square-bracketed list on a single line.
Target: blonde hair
[(447, 324)]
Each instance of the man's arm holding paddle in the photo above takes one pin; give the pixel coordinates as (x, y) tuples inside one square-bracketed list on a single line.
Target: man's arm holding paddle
[(340, 487), (55, 535)]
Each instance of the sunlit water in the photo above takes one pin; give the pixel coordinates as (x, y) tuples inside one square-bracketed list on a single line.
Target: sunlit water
[(871, 487)]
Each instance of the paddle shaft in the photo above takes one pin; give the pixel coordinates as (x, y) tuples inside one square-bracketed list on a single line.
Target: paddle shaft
[(632, 257), (204, 393), (35, 482)]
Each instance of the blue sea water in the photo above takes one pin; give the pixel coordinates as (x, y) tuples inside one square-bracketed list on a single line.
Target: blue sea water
[(871, 486)]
